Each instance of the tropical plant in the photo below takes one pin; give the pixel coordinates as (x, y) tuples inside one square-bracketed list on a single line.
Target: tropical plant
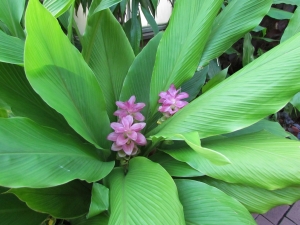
[(106, 137)]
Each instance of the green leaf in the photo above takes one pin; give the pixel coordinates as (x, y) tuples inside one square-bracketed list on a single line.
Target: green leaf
[(218, 78), (181, 46), (173, 167), (100, 200), (258, 159), (193, 140), (109, 54), (148, 195), (242, 99), (58, 7), (62, 78), (16, 91), (135, 32), (105, 4), (293, 26), (296, 101), (237, 19), (248, 50), (11, 12), (35, 156), (256, 200), (96, 220), (11, 49), (207, 205), (13, 211), (194, 85), (2, 190), (150, 20), (279, 14), (214, 68), (272, 127), (137, 81), (65, 201)]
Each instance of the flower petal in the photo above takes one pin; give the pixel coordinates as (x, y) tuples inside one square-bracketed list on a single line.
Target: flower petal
[(112, 136), (121, 105), (121, 113), (141, 140), (118, 127), (127, 121), (181, 104), (121, 140), (132, 135), (137, 126), (182, 95), (172, 90), (138, 106), (138, 116), (115, 147), (128, 148), (131, 100)]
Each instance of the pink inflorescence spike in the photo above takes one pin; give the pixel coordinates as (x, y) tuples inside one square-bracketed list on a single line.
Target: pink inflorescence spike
[(127, 135), (171, 101)]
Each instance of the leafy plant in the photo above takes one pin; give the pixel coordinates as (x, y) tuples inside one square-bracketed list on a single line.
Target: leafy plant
[(209, 161)]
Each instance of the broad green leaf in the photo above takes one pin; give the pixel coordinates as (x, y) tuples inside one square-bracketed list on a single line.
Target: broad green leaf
[(272, 127), (292, 2), (11, 49), (204, 204), (99, 201), (237, 19), (13, 211), (109, 54), (248, 50), (5, 110), (193, 140), (259, 159), (218, 78), (11, 12), (173, 167), (65, 201), (36, 157), (62, 78), (58, 7), (16, 91), (279, 14), (242, 99), (214, 68), (293, 26), (137, 81), (182, 45), (123, 5), (105, 4), (145, 195), (194, 85), (155, 3), (3, 189), (256, 200), (96, 220), (296, 101)]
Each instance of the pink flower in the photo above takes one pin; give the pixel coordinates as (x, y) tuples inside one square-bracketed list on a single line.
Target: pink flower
[(129, 108), (171, 101), (126, 136)]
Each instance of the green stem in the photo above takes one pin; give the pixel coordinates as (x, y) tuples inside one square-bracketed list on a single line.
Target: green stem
[(70, 25), (153, 144)]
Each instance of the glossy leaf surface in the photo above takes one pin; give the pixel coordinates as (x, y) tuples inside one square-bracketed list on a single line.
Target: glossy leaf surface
[(109, 54), (58, 7), (99, 201), (182, 45), (293, 26), (204, 204), (237, 19), (62, 78), (11, 49), (65, 201), (257, 200), (242, 99), (37, 157), (147, 190)]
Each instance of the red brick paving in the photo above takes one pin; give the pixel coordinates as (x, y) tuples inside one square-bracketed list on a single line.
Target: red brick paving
[(281, 215)]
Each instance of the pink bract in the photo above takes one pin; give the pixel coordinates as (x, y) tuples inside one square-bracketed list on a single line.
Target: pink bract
[(130, 108), (171, 101), (126, 136)]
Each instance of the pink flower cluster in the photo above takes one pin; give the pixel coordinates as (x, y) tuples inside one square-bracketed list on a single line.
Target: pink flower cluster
[(171, 101), (126, 135)]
